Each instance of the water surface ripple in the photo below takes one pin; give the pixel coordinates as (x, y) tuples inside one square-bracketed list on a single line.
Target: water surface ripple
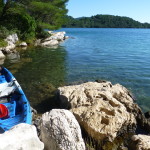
[(118, 55)]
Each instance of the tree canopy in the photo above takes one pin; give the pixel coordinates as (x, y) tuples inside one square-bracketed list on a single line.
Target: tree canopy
[(103, 21), (30, 17)]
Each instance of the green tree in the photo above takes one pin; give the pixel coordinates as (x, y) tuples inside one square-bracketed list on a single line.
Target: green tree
[(104, 21), (49, 13), (31, 16)]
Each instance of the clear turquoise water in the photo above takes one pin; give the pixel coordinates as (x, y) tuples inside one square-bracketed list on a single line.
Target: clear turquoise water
[(118, 55)]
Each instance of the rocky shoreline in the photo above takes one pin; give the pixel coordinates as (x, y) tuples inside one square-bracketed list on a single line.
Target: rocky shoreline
[(91, 116), (13, 42)]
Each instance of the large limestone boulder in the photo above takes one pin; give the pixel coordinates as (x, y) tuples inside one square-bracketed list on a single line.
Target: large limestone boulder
[(60, 131), (21, 137), (102, 109), (141, 142)]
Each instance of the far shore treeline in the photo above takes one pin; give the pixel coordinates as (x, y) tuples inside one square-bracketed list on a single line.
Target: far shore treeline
[(103, 21), (29, 18)]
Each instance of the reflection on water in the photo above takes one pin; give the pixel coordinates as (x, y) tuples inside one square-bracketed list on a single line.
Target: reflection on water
[(39, 71), (14, 57)]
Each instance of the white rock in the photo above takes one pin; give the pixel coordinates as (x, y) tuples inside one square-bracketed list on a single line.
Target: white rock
[(23, 44), (52, 40), (2, 56), (10, 46), (50, 32), (142, 142), (50, 43), (66, 37), (6, 50), (49, 39), (21, 137), (12, 38), (60, 36), (60, 131)]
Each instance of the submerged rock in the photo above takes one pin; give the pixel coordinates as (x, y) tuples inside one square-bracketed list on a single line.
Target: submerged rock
[(13, 57), (103, 110), (61, 131), (21, 137)]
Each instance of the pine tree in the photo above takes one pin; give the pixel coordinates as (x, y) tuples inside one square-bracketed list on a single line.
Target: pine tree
[(30, 16)]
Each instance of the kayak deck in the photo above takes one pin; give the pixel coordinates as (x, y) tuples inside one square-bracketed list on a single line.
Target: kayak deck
[(6, 124), (13, 101)]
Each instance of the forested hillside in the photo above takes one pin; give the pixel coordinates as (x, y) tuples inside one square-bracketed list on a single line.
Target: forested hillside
[(103, 21)]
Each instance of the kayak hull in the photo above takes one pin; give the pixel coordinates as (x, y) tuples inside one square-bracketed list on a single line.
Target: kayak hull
[(13, 98)]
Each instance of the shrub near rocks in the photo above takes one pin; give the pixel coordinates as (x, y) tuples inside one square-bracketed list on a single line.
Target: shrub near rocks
[(3, 43)]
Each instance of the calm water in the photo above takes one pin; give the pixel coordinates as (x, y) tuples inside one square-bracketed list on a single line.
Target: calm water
[(118, 55)]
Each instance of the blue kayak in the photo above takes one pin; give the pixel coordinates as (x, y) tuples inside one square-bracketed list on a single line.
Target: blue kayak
[(14, 106)]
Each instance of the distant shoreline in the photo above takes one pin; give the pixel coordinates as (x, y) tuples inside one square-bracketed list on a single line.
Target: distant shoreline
[(100, 28), (103, 21)]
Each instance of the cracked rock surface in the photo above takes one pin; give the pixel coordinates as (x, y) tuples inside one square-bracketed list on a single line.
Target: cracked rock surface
[(61, 131), (103, 110)]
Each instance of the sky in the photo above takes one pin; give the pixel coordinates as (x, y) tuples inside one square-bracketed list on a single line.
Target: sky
[(138, 10)]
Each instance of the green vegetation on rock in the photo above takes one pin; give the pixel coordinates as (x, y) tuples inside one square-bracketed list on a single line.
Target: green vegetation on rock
[(30, 18), (3, 43), (103, 21)]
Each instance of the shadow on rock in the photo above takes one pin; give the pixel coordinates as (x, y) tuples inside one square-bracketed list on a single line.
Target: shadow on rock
[(47, 105)]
